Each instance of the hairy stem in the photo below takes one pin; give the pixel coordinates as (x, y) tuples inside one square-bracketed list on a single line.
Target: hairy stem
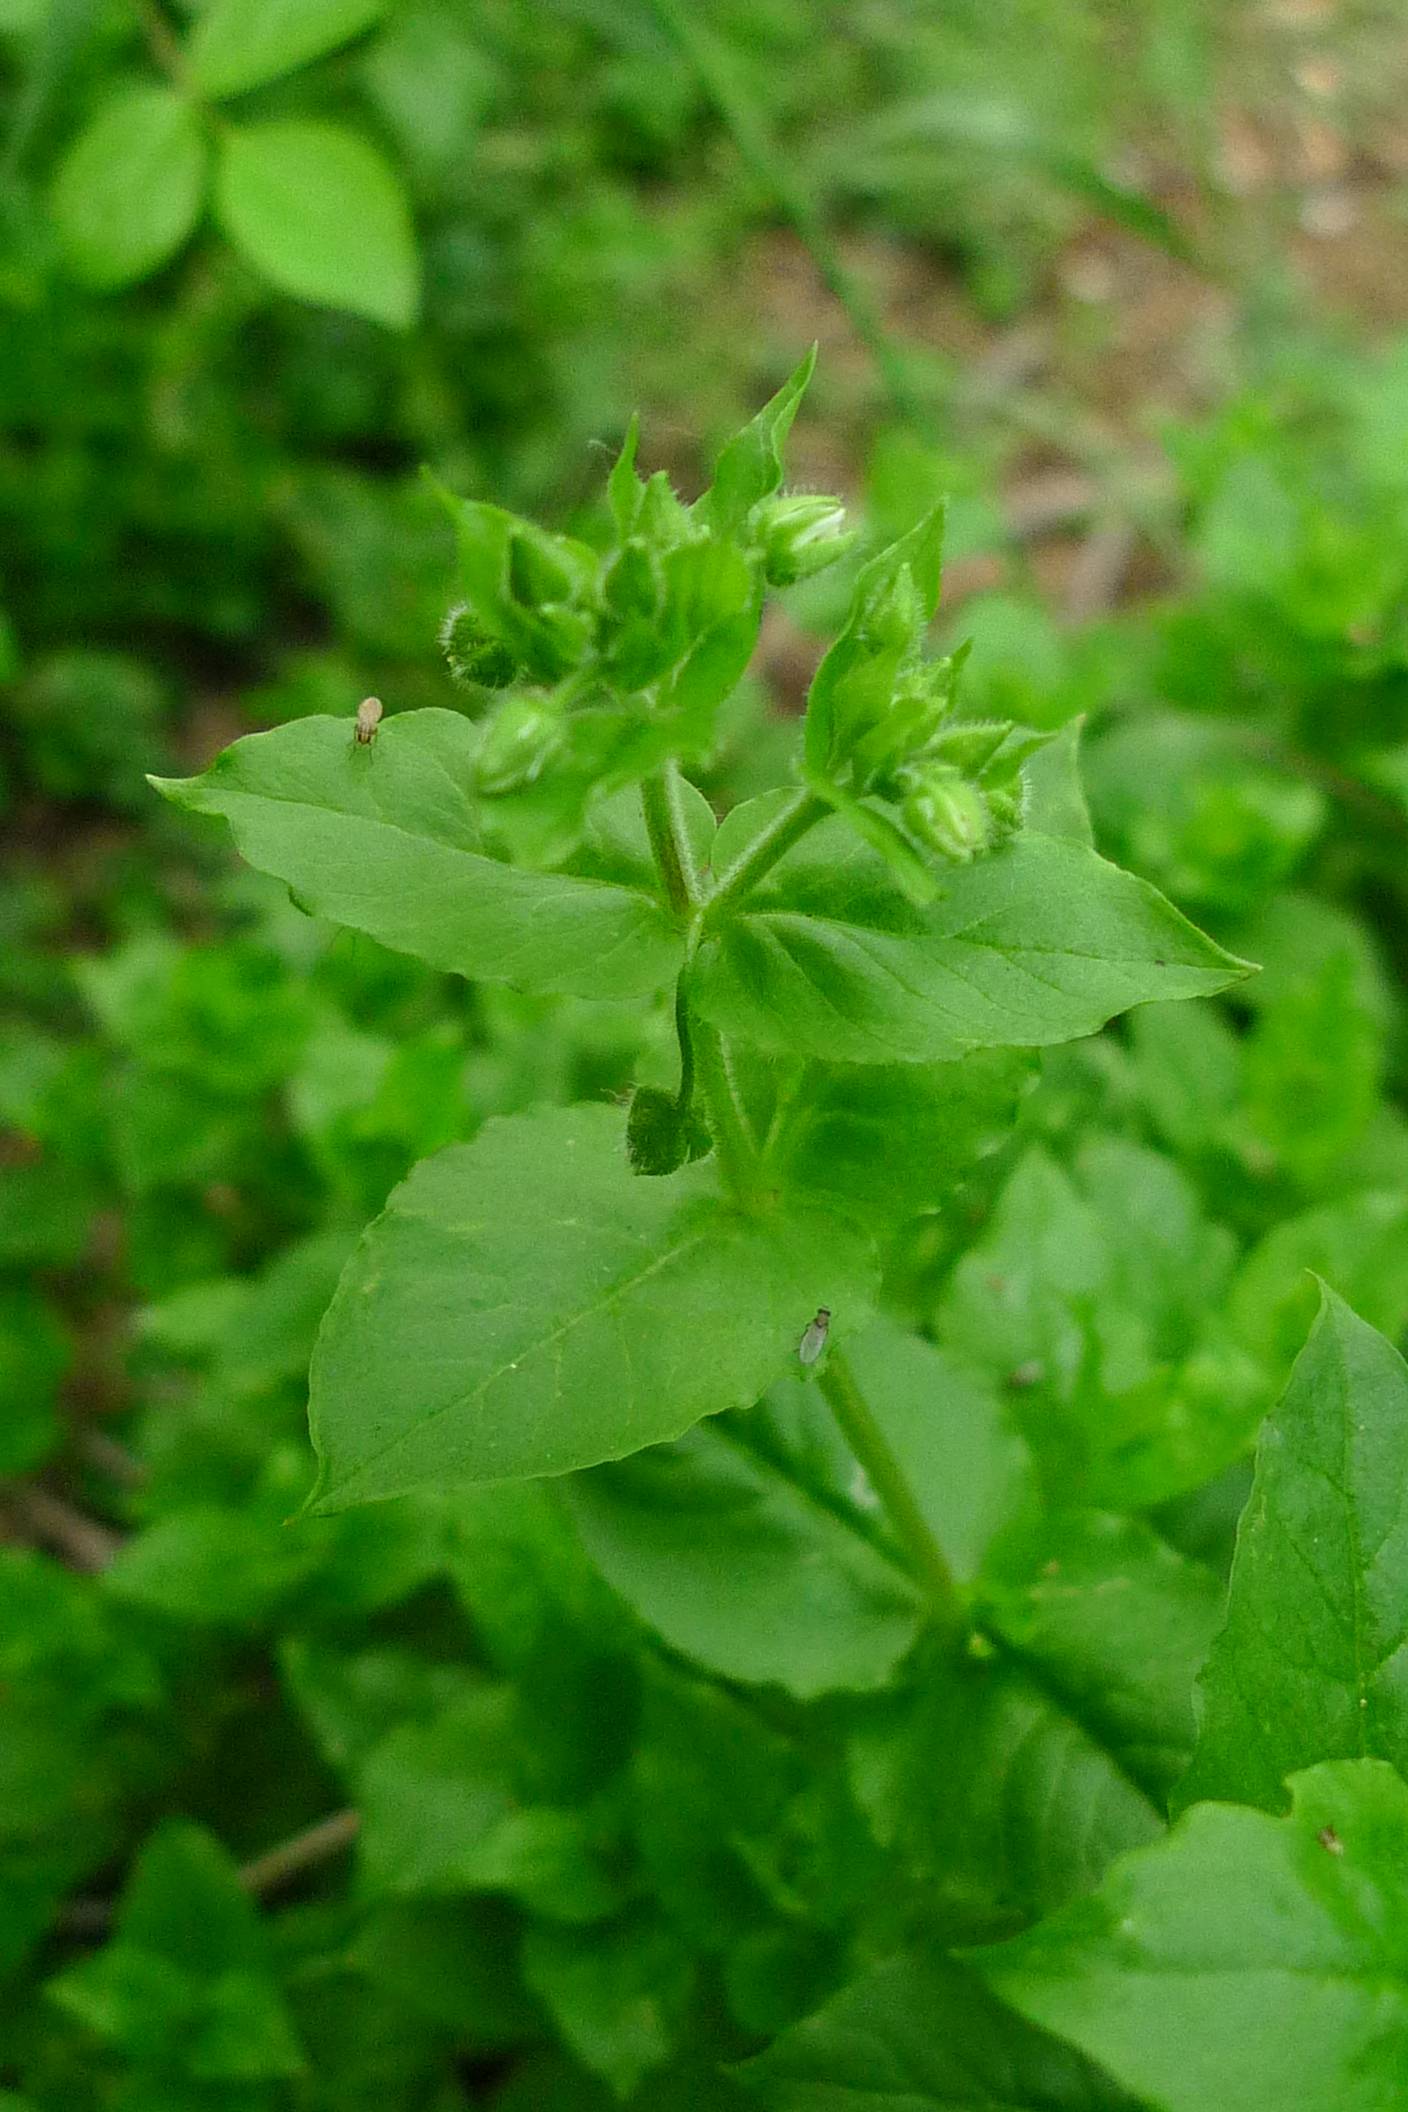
[(890, 1483), (669, 841), (734, 1145), (802, 812)]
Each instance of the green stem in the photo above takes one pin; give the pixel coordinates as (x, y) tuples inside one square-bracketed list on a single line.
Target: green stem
[(669, 843), (734, 1146), (890, 1483), (703, 1054), (714, 65), (802, 812), (684, 1034)]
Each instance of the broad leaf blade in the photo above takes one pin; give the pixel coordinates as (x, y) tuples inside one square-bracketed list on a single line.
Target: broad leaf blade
[(525, 1305), (1313, 1661), (1040, 942), (129, 190), (240, 44), (1114, 1623), (1245, 1960), (321, 215), (755, 1547), (737, 1563), (921, 2033), (384, 839)]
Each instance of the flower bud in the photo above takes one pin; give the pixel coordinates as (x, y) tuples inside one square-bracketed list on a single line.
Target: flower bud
[(473, 657), (947, 814), (515, 747), (800, 535)]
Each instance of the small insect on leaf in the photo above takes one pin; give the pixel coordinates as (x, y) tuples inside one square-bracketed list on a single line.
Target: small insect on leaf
[(813, 1341), (368, 719)]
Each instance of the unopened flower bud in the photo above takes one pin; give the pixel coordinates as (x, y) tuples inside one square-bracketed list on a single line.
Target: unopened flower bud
[(472, 655), (948, 814), (800, 535), (515, 746)]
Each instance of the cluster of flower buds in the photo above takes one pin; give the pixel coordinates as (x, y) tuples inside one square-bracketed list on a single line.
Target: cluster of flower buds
[(588, 660), (962, 793)]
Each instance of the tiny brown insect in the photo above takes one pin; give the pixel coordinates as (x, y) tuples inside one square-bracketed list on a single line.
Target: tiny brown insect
[(1330, 1841), (368, 719), (813, 1341)]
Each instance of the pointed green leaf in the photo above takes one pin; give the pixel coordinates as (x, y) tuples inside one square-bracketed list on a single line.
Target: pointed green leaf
[(921, 2033), (750, 466), (321, 215), (129, 190), (239, 44), (384, 838), (1244, 1961), (526, 1305), (1313, 1661), (1037, 943)]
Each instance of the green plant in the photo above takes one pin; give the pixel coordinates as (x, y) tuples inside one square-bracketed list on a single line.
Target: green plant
[(855, 970), (569, 1289)]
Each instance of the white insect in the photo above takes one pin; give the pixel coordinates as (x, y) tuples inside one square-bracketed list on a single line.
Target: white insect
[(368, 719), (813, 1341)]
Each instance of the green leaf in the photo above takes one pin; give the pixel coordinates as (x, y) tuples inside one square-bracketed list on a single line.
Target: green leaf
[(750, 466), (754, 1546), (129, 190), (321, 215), (617, 1994), (1313, 1661), (718, 1544), (526, 1305), (831, 1140), (185, 1983), (1037, 943), (1055, 797), (921, 2033), (1246, 1960), (1096, 1297), (993, 1794), (240, 44), (1115, 1624), (444, 1814), (385, 838), (209, 1564)]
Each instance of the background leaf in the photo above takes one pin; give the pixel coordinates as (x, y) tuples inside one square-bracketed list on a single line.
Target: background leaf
[(1313, 1661), (129, 190), (320, 214), (921, 2033), (239, 44)]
